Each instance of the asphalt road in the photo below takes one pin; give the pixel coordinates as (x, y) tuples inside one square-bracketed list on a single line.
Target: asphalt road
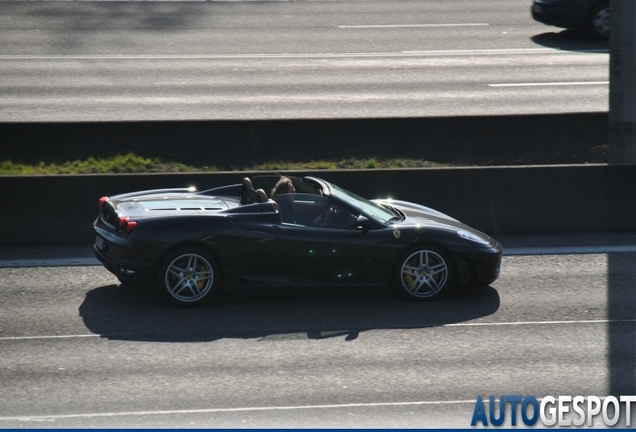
[(117, 61), (80, 350)]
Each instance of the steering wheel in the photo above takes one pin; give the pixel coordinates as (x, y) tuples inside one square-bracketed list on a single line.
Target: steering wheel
[(328, 216)]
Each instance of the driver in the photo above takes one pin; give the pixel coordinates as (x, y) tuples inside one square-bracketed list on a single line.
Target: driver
[(333, 216)]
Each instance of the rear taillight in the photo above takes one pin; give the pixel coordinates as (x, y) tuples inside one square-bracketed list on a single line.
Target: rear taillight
[(126, 224), (102, 201)]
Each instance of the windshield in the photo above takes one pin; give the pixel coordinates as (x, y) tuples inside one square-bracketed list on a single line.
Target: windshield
[(367, 207)]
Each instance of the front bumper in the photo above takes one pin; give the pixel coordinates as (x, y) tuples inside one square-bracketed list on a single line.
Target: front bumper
[(478, 267)]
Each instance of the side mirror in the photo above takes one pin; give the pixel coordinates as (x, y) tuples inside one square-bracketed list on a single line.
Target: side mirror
[(362, 223)]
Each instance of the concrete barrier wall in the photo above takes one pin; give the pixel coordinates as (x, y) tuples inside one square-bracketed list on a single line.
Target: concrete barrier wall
[(480, 140), (524, 199)]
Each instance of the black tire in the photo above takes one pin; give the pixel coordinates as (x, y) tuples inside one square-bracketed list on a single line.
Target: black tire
[(598, 21), (424, 272), (188, 277)]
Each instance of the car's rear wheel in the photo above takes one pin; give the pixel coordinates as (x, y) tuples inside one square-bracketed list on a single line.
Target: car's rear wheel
[(599, 21), (424, 273), (188, 277)]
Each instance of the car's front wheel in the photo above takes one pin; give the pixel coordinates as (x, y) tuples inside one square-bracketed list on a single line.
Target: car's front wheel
[(188, 277), (424, 273)]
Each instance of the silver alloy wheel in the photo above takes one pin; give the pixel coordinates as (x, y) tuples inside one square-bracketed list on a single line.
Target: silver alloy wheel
[(424, 273), (189, 278), (601, 22)]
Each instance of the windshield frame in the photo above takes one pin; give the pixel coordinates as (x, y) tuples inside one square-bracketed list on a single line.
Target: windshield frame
[(376, 211)]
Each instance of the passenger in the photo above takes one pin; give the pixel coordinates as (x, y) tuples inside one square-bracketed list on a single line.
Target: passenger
[(283, 194)]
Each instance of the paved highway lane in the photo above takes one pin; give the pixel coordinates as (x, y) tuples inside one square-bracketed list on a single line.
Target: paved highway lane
[(79, 350), (96, 61)]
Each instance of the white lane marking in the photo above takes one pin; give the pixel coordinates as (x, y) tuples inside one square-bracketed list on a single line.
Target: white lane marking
[(49, 262), (8, 338), (230, 410), (544, 84), (242, 409), (503, 51), (567, 250), (410, 25), (297, 55), (468, 324), (521, 323)]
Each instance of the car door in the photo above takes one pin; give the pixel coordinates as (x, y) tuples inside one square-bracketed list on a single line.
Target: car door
[(248, 246), (333, 251)]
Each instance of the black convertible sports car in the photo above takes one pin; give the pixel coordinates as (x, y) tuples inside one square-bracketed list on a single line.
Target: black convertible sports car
[(304, 232)]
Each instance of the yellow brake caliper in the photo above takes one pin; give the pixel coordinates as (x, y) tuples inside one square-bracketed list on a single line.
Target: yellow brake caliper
[(200, 282)]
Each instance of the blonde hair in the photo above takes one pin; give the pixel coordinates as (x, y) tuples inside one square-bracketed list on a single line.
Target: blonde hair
[(282, 186)]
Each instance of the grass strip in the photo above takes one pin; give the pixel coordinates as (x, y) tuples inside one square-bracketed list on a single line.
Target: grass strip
[(133, 163)]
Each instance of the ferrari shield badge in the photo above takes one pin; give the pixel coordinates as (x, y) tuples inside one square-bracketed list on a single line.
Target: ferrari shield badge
[(396, 233)]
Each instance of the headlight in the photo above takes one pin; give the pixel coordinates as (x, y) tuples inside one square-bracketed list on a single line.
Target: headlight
[(472, 237)]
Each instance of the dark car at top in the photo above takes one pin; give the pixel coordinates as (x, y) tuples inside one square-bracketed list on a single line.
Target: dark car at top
[(592, 16), (188, 244)]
